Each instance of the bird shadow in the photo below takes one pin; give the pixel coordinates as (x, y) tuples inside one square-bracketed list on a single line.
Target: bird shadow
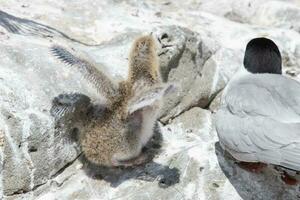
[(27, 27), (150, 171), (264, 185), (69, 108)]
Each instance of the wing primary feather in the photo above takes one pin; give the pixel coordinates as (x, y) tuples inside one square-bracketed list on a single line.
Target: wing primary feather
[(99, 80)]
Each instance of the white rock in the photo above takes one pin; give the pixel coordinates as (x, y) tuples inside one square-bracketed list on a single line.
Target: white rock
[(210, 41)]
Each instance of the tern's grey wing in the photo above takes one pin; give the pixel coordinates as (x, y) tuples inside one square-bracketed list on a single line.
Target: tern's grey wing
[(270, 95), (259, 121), (260, 139)]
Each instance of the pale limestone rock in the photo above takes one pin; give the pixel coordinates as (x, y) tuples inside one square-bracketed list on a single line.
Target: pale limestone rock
[(203, 48)]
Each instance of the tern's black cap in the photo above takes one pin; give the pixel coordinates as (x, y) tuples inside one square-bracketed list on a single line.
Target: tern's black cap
[(262, 56)]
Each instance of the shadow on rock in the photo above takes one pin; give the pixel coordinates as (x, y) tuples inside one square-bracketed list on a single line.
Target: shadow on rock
[(23, 26), (70, 112), (265, 185), (150, 171)]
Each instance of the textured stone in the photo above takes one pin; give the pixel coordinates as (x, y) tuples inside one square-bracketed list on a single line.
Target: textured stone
[(35, 149), (201, 45), (204, 85), (183, 57), (278, 14), (32, 151)]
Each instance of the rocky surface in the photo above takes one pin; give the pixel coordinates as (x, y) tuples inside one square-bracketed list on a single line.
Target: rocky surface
[(200, 45)]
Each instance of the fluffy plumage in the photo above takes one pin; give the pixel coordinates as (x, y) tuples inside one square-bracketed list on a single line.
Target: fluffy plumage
[(118, 137)]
